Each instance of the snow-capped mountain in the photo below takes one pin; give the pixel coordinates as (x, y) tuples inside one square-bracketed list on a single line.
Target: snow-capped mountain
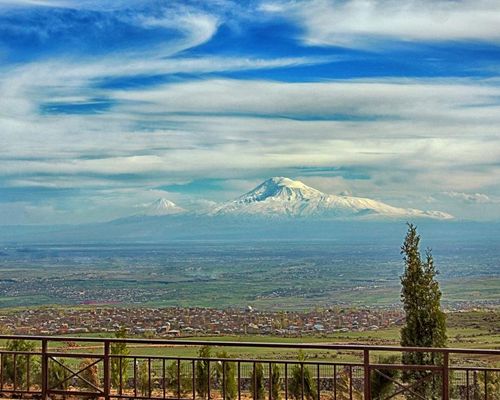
[(279, 208), (281, 196), (161, 207)]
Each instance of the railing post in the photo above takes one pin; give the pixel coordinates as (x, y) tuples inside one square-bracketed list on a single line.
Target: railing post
[(446, 377), (45, 370), (107, 371), (366, 364)]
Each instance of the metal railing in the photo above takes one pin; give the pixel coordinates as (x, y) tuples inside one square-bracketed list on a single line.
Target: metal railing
[(56, 367)]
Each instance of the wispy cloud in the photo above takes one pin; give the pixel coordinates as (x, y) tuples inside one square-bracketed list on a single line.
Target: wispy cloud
[(384, 99), (33, 3), (364, 23), (479, 198), (255, 125)]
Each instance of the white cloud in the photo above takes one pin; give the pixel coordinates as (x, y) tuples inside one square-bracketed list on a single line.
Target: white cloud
[(184, 28), (426, 126), (364, 22), (391, 99), (33, 3), (198, 27), (477, 198)]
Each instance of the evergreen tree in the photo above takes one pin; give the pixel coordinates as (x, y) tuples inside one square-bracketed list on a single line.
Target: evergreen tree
[(15, 368), (58, 375), (119, 365), (425, 321), (226, 377), (178, 378), (203, 371), (257, 386), (301, 381), (275, 382), (143, 378)]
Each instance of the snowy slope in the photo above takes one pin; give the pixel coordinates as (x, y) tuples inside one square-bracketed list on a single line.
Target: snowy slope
[(161, 207), (281, 196)]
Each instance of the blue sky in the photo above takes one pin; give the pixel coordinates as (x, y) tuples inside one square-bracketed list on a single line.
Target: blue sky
[(108, 105)]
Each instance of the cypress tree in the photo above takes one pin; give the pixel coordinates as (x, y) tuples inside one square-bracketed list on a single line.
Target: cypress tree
[(226, 377), (425, 321), (275, 382), (257, 386), (119, 366), (203, 371), (301, 383)]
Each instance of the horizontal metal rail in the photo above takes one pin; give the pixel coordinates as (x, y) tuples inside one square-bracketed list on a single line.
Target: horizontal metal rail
[(311, 346), (101, 374)]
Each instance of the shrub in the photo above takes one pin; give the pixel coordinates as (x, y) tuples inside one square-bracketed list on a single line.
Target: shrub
[(491, 386), (15, 369), (345, 387), (90, 374), (381, 386), (178, 379)]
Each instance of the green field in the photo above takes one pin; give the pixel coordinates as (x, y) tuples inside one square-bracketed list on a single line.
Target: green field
[(276, 275)]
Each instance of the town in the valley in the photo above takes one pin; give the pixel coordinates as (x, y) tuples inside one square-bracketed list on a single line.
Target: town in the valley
[(176, 321)]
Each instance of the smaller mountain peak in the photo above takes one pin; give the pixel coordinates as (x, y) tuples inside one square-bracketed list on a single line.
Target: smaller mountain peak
[(162, 206), (164, 203)]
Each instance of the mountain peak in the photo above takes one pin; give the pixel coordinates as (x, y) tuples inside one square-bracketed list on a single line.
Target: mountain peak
[(281, 196), (162, 206), (280, 187), (283, 181)]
